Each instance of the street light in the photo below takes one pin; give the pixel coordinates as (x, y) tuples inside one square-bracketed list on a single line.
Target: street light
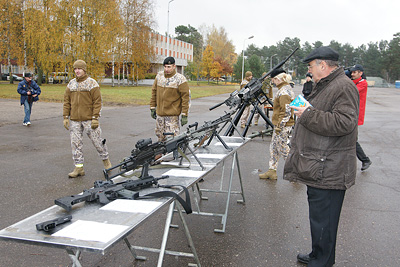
[(168, 29), (270, 62), (243, 54)]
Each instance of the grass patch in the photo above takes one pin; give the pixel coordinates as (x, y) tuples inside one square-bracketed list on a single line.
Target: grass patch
[(129, 95)]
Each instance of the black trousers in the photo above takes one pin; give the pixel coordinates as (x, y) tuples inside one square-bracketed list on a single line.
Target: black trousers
[(325, 206), (360, 153)]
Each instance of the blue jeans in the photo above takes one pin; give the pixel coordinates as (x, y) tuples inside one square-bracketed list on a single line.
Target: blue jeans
[(28, 110)]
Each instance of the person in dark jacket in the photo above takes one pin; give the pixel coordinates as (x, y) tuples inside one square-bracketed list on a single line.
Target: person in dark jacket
[(323, 151), (307, 86), (29, 91)]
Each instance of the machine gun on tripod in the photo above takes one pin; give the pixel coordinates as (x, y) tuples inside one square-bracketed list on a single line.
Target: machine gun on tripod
[(145, 151), (251, 94)]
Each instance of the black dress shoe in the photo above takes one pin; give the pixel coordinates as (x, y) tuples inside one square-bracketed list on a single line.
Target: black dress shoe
[(303, 258), (365, 165)]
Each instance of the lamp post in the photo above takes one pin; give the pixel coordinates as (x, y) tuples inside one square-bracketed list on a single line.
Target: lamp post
[(168, 29), (243, 54), (270, 62)]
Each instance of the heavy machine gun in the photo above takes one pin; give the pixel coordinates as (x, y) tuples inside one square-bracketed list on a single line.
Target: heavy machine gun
[(253, 94)]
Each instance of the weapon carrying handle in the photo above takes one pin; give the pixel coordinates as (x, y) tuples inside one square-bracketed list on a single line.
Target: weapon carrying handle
[(194, 125)]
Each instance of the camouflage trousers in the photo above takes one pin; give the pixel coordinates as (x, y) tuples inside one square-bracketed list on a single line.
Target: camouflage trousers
[(246, 114), (279, 146), (77, 128), (257, 115), (167, 124)]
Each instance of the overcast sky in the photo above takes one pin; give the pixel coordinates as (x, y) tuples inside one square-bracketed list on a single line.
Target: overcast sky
[(356, 22)]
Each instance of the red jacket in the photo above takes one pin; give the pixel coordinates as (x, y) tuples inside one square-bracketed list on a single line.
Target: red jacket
[(362, 87)]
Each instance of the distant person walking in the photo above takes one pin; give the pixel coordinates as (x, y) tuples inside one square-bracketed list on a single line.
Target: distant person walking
[(29, 91), (308, 85), (170, 98), (357, 72), (81, 112)]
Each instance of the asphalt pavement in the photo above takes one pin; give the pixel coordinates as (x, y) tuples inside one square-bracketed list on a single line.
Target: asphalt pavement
[(269, 230)]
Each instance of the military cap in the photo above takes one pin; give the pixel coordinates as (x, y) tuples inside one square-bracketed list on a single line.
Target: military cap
[(169, 61), (80, 64), (27, 74), (323, 52), (357, 67), (277, 72), (248, 74)]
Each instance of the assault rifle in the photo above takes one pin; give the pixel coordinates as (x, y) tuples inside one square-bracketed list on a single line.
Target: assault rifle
[(146, 151), (251, 93), (105, 191)]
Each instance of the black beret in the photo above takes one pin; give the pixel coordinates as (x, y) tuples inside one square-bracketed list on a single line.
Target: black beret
[(309, 75), (323, 52), (28, 74), (357, 67), (276, 72), (169, 61)]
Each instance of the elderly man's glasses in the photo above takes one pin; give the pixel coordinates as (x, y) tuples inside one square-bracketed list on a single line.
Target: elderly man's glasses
[(310, 66)]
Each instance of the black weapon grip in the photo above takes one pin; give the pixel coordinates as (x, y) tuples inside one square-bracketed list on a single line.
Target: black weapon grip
[(194, 125)]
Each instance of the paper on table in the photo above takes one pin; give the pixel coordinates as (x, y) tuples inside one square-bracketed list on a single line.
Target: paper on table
[(130, 205), (184, 173), (91, 231), (210, 156), (228, 144)]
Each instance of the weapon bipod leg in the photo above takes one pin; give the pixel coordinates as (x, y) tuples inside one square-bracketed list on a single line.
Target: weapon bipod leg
[(194, 155), (262, 114), (220, 139)]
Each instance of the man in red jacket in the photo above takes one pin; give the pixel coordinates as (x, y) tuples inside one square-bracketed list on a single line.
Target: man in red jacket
[(357, 72)]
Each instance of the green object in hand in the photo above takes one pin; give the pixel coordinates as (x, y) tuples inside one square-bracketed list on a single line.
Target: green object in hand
[(184, 120), (153, 113)]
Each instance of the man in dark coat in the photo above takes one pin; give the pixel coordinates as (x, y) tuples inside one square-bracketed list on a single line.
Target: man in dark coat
[(308, 85), (29, 91), (323, 151)]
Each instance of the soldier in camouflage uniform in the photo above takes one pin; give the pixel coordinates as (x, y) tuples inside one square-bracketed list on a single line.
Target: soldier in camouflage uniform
[(283, 120), (169, 99), (267, 89), (246, 112), (81, 112)]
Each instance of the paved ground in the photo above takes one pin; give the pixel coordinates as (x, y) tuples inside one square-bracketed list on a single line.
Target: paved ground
[(268, 231)]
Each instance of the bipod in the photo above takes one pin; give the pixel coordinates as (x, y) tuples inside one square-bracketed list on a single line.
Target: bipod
[(255, 109), (229, 131)]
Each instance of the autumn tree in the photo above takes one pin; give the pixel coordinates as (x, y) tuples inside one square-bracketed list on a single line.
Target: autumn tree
[(135, 43), (210, 67), (11, 41), (222, 46)]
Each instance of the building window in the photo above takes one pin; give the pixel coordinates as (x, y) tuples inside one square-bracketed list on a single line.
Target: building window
[(161, 51)]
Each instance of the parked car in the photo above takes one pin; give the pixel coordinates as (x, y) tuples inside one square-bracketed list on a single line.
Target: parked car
[(17, 78), (4, 76)]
